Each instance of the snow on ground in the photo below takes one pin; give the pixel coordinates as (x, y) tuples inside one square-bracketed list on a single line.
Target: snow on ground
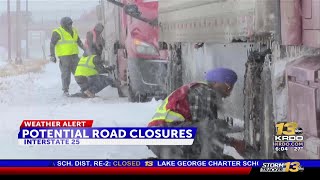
[(39, 96), (2, 62)]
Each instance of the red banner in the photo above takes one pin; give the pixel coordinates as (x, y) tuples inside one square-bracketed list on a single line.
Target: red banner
[(126, 170)]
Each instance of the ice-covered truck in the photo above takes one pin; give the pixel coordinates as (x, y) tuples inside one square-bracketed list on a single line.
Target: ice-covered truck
[(273, 45), (132, 44)]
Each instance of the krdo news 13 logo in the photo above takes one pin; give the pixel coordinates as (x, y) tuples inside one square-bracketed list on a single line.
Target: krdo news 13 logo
[(288, 131), (288, 135)]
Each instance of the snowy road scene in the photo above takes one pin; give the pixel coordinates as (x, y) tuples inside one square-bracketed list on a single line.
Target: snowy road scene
[(39, 96)]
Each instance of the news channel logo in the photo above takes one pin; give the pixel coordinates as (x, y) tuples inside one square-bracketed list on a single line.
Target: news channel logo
[(148, 163), (288, 135), (282, 167)]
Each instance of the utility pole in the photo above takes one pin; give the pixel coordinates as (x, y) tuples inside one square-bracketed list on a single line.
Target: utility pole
[(9, 30), (18, 34), (27, 29)]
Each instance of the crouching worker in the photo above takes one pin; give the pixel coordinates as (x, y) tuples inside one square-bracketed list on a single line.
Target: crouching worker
[(196, 105), (89, 76)]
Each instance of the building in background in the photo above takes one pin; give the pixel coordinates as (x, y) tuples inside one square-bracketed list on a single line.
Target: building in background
[(40, 29)]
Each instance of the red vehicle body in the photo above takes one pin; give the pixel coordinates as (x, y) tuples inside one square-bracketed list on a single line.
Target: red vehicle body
[(141, 64)]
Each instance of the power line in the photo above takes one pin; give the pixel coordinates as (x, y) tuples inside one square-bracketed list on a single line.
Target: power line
[(18, 34), (9, 30)]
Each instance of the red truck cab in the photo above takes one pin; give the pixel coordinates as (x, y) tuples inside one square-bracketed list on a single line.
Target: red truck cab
[(142, 65)]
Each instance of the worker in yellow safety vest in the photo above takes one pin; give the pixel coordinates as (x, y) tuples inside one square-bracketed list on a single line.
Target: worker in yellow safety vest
[(89, 76), (197, 104), (64, 44)]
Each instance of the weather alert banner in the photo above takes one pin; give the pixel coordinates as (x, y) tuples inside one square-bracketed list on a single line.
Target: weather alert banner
[(81, 132)]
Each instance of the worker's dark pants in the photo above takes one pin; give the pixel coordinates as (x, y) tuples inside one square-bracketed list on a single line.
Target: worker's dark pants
[(68, 65), (94, 83)]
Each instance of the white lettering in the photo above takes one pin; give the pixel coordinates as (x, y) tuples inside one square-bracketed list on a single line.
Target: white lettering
[(25, 132), (131, 133), (95, 133)]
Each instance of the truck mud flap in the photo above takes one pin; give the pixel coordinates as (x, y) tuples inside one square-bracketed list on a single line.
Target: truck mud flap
[(258, 103), (174, 76)]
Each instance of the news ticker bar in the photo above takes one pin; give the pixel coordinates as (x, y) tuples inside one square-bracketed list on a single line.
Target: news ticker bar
[(151, 163)]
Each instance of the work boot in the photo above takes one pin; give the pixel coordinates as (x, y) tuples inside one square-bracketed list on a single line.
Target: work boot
[(89, 94)]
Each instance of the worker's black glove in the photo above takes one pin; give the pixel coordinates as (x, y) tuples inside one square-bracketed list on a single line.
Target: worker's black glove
[(239, 145), (111, 68), (53, 59), (244, 149)]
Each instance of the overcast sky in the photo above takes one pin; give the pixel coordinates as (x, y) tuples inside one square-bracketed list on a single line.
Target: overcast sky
[(52, 9)]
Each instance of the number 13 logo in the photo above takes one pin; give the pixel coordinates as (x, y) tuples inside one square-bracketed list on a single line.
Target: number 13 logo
[(291, 127), (295, 166)]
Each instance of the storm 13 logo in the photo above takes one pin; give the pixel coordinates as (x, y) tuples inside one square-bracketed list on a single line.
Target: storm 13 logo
[(288, 131), (281, 167)]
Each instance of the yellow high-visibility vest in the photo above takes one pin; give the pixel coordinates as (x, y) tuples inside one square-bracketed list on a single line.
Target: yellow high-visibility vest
[(86, 67), (67, 45), (165, 115)]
